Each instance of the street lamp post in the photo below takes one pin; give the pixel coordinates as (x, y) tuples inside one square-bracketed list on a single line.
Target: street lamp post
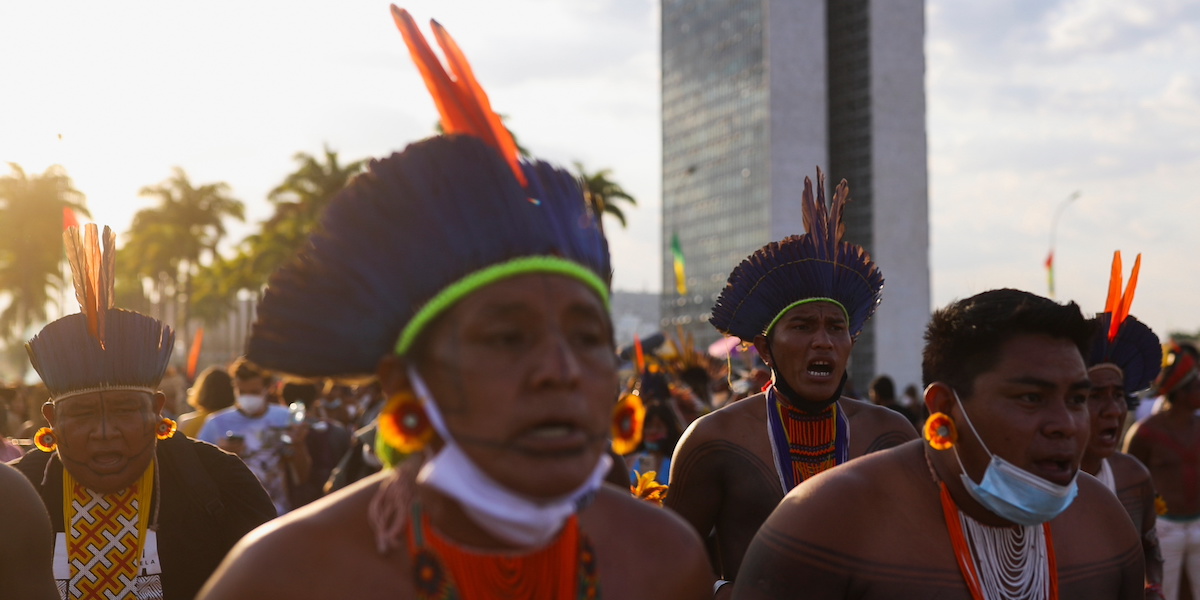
[(1053, 230)]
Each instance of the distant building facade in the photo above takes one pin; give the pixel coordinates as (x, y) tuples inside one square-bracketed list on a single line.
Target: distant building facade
[(755, 95)]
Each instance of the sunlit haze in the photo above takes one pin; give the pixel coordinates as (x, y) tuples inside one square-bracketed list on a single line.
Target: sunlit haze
[(1028, 102)]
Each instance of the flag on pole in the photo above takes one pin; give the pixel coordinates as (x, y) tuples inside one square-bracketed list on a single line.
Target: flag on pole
[(680, 275), (1050, 272), (194, 354)]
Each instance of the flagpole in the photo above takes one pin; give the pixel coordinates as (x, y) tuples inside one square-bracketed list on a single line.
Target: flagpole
[(1053, 230)]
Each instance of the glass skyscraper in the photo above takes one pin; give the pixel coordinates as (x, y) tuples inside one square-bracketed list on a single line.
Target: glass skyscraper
[(756, 94)]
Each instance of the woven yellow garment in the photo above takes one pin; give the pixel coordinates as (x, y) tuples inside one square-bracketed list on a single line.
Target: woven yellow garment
[(105, 537)]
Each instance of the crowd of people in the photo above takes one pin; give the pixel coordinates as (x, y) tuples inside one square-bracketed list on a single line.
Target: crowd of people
[(431, 406)]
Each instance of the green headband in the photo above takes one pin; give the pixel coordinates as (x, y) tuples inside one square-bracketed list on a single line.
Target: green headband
[(804, 301), (489, 275)]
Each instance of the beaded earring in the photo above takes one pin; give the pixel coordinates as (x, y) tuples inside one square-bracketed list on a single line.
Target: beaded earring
[(940, 431), (627, 418), (165, 429), (45, 440), (403, 423)]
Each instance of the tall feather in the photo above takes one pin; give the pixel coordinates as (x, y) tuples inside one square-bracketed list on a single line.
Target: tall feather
[(1114, 284), (461, 101), (92, 274), (1122, 310)]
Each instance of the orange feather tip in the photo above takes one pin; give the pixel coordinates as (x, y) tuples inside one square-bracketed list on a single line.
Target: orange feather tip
[(461, 102)]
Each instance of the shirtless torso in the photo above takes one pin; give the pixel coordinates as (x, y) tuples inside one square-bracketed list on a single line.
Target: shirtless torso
[(641, 552), (1168, 444), (832, 538), (723, 476)]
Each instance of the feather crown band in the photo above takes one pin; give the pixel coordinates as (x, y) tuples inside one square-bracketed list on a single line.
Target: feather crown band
[(814, 266), (1178, 368), (101, 347), (1121, 339), (420, 230)]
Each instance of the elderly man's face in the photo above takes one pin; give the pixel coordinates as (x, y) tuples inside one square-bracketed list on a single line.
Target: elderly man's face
[(106, 439)]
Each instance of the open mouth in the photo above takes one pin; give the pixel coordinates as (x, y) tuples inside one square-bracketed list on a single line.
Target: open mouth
[(552, 439), (105, 462), (1109, 435), (820, 368), (1057, 470)]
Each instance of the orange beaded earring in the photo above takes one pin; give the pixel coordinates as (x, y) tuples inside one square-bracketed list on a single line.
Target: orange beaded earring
[(166, 428), (940, 431), (45, 440), (627, 419), (404, 424)]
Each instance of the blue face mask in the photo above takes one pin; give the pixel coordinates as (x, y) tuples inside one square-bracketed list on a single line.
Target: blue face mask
[(1014, 493)]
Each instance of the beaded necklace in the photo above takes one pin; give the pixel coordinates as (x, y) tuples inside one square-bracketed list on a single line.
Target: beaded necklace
[(1001, 562), (563, 570), (805, 444)]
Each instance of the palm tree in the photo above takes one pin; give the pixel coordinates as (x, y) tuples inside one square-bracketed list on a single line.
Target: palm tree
[(180, 234), (32, 210), (303, 196), (602, 193)]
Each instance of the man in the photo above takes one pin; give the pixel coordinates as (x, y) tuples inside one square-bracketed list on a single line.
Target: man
[(25, 553), (1123, 360), (1168, 443), (883, 393), (138, 511), (263, 434), (327, 440), (991, 506), (474, 285), (802, 301)]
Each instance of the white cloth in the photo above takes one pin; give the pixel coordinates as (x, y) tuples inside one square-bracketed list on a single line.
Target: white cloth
[(517, 519), (1106, 475), (1180, 545)]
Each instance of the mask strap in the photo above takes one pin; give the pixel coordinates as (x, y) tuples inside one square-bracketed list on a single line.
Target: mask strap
[(971, 426), (431, 408)]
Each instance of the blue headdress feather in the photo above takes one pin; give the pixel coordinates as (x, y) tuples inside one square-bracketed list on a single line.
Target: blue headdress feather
[(814, 265)]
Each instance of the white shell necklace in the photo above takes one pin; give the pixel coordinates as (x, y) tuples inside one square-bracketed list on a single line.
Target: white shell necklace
[(1012, 562)]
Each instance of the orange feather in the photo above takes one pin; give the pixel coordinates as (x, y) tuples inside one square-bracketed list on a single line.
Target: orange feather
[(1126, 300), (1114, 284), (460, 100), (499, 135)]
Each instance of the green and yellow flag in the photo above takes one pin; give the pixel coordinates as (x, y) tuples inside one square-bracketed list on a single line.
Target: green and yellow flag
[(680, 275)]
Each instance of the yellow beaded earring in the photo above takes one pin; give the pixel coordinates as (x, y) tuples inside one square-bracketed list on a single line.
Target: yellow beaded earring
[(166, 428), (45, 440), (940, 431)]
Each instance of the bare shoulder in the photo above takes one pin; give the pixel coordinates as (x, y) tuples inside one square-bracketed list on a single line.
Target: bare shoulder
[(654, 551), (851, 489), (330, 535), (874, 428), (1128, 470), (1096, 504), (716, 424)]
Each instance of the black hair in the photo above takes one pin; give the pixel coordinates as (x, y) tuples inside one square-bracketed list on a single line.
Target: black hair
[(884, 387), (964, 339), (297, 391)]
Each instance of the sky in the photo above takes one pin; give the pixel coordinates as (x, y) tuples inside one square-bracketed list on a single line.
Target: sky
[(1029, 102)]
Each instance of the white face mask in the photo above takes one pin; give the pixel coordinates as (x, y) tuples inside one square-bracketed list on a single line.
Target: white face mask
[(251, 404), (522, 521), (1012, 492)]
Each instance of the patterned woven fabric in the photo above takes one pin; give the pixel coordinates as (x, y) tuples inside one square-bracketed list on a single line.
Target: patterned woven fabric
[(105, 534)]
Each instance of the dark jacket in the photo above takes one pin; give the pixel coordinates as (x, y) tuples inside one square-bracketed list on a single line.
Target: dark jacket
[(209, 500)]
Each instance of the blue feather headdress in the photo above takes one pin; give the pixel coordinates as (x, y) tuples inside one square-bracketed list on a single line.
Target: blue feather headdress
[(1121, 340), (419, 231), (814, 266), (100, 348)]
